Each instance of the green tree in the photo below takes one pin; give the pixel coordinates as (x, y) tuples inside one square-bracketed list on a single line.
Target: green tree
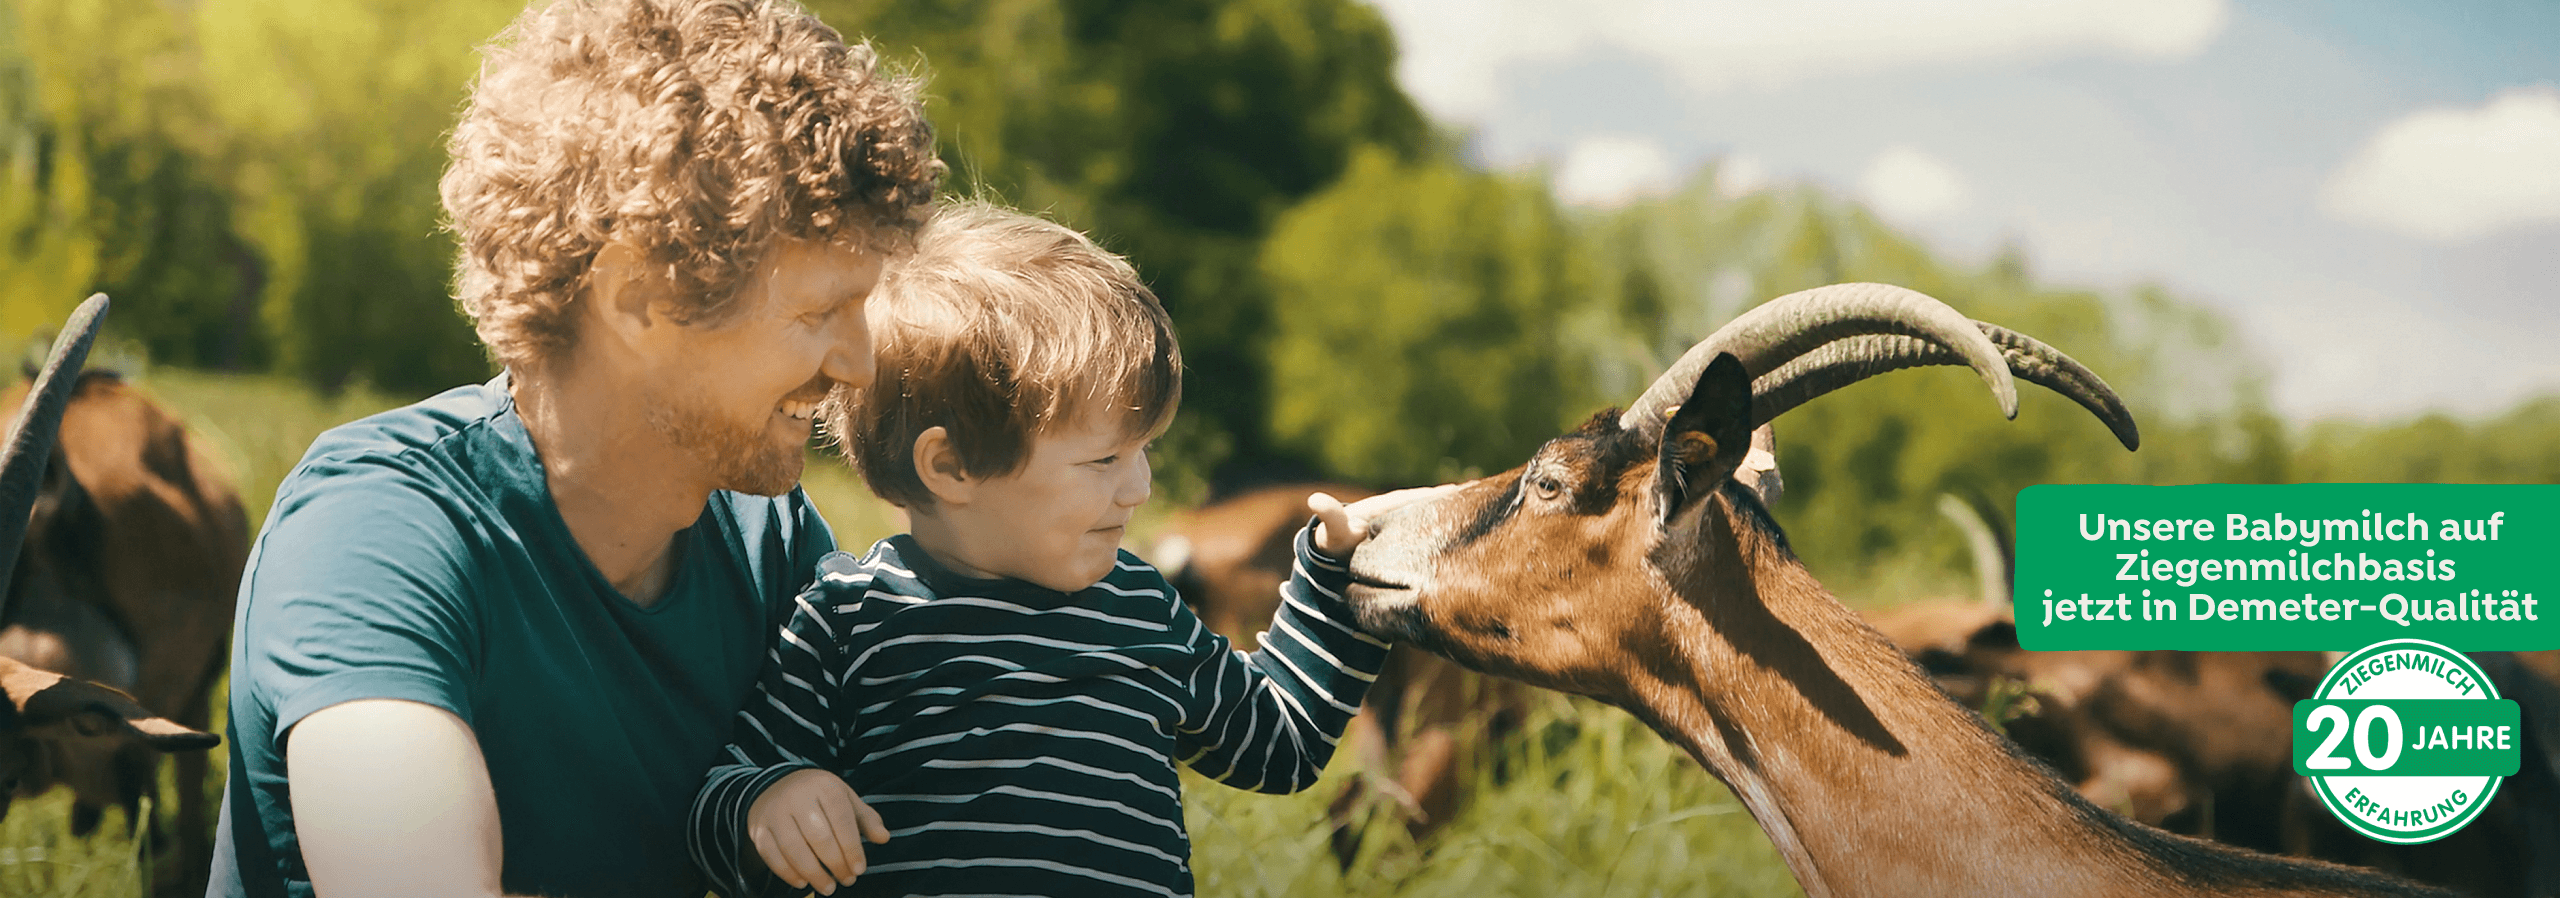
[(1429, 320), (1174, 131), (47, 253), (1864, 467), (111, 182), (336, 111)]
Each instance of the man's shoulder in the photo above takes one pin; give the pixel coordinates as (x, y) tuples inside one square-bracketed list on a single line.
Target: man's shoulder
[(423, 423), (400, 433), (402, 478)]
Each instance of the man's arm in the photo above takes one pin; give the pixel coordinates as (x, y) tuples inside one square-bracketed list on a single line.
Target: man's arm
[(392, 798)]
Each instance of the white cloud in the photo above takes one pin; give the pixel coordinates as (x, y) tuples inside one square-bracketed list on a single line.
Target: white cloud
[(1738, 175), (1610, 170), (2455, 174), (1454, 49), (1907, 186)]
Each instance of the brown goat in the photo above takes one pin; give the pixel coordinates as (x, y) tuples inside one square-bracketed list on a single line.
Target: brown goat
[(1623, 562), (131, 567), (1415, 736)]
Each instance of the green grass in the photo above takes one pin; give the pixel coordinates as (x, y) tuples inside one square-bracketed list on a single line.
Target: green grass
[(1590, 803)]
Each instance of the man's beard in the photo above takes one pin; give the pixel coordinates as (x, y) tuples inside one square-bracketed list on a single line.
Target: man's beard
[(738, 456)]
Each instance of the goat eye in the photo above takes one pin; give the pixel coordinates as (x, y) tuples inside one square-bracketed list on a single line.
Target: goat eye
[(1548, 488)]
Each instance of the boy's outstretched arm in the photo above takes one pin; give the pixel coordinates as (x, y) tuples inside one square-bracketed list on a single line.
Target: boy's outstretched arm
[(1268, 721), (766, 791)]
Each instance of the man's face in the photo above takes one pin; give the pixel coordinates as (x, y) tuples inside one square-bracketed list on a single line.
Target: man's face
[(739, 395), (1059, 520)]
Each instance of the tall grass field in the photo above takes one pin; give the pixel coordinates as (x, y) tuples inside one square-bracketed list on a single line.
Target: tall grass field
[(1586, 802)]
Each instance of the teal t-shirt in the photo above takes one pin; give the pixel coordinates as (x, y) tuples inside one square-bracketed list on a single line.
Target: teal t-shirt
[(417, 555)]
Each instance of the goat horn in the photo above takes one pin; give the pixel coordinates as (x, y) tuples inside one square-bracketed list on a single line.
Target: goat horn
[(1780, 330), (39, 420), (1853, 359)]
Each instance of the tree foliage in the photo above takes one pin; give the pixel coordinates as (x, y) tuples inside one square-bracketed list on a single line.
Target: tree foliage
[(1864, 467), (1175, 131), (254, 180), (111, 183), (1427, 320), (337, 111)]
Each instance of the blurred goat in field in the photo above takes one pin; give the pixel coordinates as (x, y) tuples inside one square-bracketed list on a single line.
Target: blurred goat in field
[(133, 549)]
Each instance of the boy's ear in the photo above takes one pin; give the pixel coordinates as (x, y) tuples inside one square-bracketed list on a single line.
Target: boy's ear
[(1705, 439), (938, 465)]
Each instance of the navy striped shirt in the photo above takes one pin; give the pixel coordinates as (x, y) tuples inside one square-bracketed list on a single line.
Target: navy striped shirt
[(1021, 741)]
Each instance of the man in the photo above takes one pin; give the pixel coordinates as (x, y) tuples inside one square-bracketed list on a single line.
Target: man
[(488, 644)]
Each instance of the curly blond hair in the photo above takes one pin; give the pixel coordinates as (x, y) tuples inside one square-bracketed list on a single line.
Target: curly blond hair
[(695, 131), (1001, 327)]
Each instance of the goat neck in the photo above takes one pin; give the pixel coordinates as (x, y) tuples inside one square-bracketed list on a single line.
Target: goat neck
[(1856, 767)]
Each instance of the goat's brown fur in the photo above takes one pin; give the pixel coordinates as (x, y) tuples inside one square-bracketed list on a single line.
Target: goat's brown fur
[(2199, 743), (148, 535), (1656, 583)]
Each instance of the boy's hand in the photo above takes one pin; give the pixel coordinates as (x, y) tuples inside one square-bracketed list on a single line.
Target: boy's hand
[(809, 828), (1341, 528)]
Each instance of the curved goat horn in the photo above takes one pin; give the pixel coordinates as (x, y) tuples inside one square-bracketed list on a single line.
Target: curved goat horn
[(39, 420), (1857, 358), (1783, 329)]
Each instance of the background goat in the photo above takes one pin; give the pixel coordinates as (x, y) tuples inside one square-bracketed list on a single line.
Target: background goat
[(104, 569), (2200, 743)]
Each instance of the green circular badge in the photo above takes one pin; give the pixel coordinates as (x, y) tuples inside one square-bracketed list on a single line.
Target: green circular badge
[(2405, 740)]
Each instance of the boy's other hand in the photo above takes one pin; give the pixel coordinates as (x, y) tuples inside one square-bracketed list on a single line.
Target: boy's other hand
[(1341, 528), (809, 828)]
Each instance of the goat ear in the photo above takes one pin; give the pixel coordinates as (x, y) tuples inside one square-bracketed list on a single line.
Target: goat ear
[(42, 697), (1706, 437)]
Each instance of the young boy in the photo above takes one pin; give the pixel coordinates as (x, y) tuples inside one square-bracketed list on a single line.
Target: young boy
[(1005, 686)]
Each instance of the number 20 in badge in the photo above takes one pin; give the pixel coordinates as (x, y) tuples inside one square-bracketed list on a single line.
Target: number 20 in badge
[(2406, 740)]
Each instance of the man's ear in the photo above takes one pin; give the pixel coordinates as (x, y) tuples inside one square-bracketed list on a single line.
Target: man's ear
[(1706, 438), (623, 291), (938, 465)]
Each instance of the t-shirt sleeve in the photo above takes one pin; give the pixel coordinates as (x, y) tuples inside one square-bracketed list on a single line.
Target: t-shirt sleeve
[(357, 590), (1268, 721)]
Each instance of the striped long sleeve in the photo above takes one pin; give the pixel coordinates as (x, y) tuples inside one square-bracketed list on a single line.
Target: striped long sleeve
[(1018, 740), (1268, 721)]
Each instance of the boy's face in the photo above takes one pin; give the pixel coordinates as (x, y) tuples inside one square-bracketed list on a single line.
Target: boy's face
[(1058, 521), (740, 395)]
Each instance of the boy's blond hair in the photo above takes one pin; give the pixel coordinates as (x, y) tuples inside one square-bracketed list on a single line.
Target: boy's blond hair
[(1001, 327), (695, 131)]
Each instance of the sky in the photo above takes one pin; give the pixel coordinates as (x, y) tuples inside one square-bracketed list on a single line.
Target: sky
[(2370, 190)]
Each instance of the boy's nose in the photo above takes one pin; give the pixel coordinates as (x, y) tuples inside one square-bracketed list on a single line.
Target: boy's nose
[(1138, 485)]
